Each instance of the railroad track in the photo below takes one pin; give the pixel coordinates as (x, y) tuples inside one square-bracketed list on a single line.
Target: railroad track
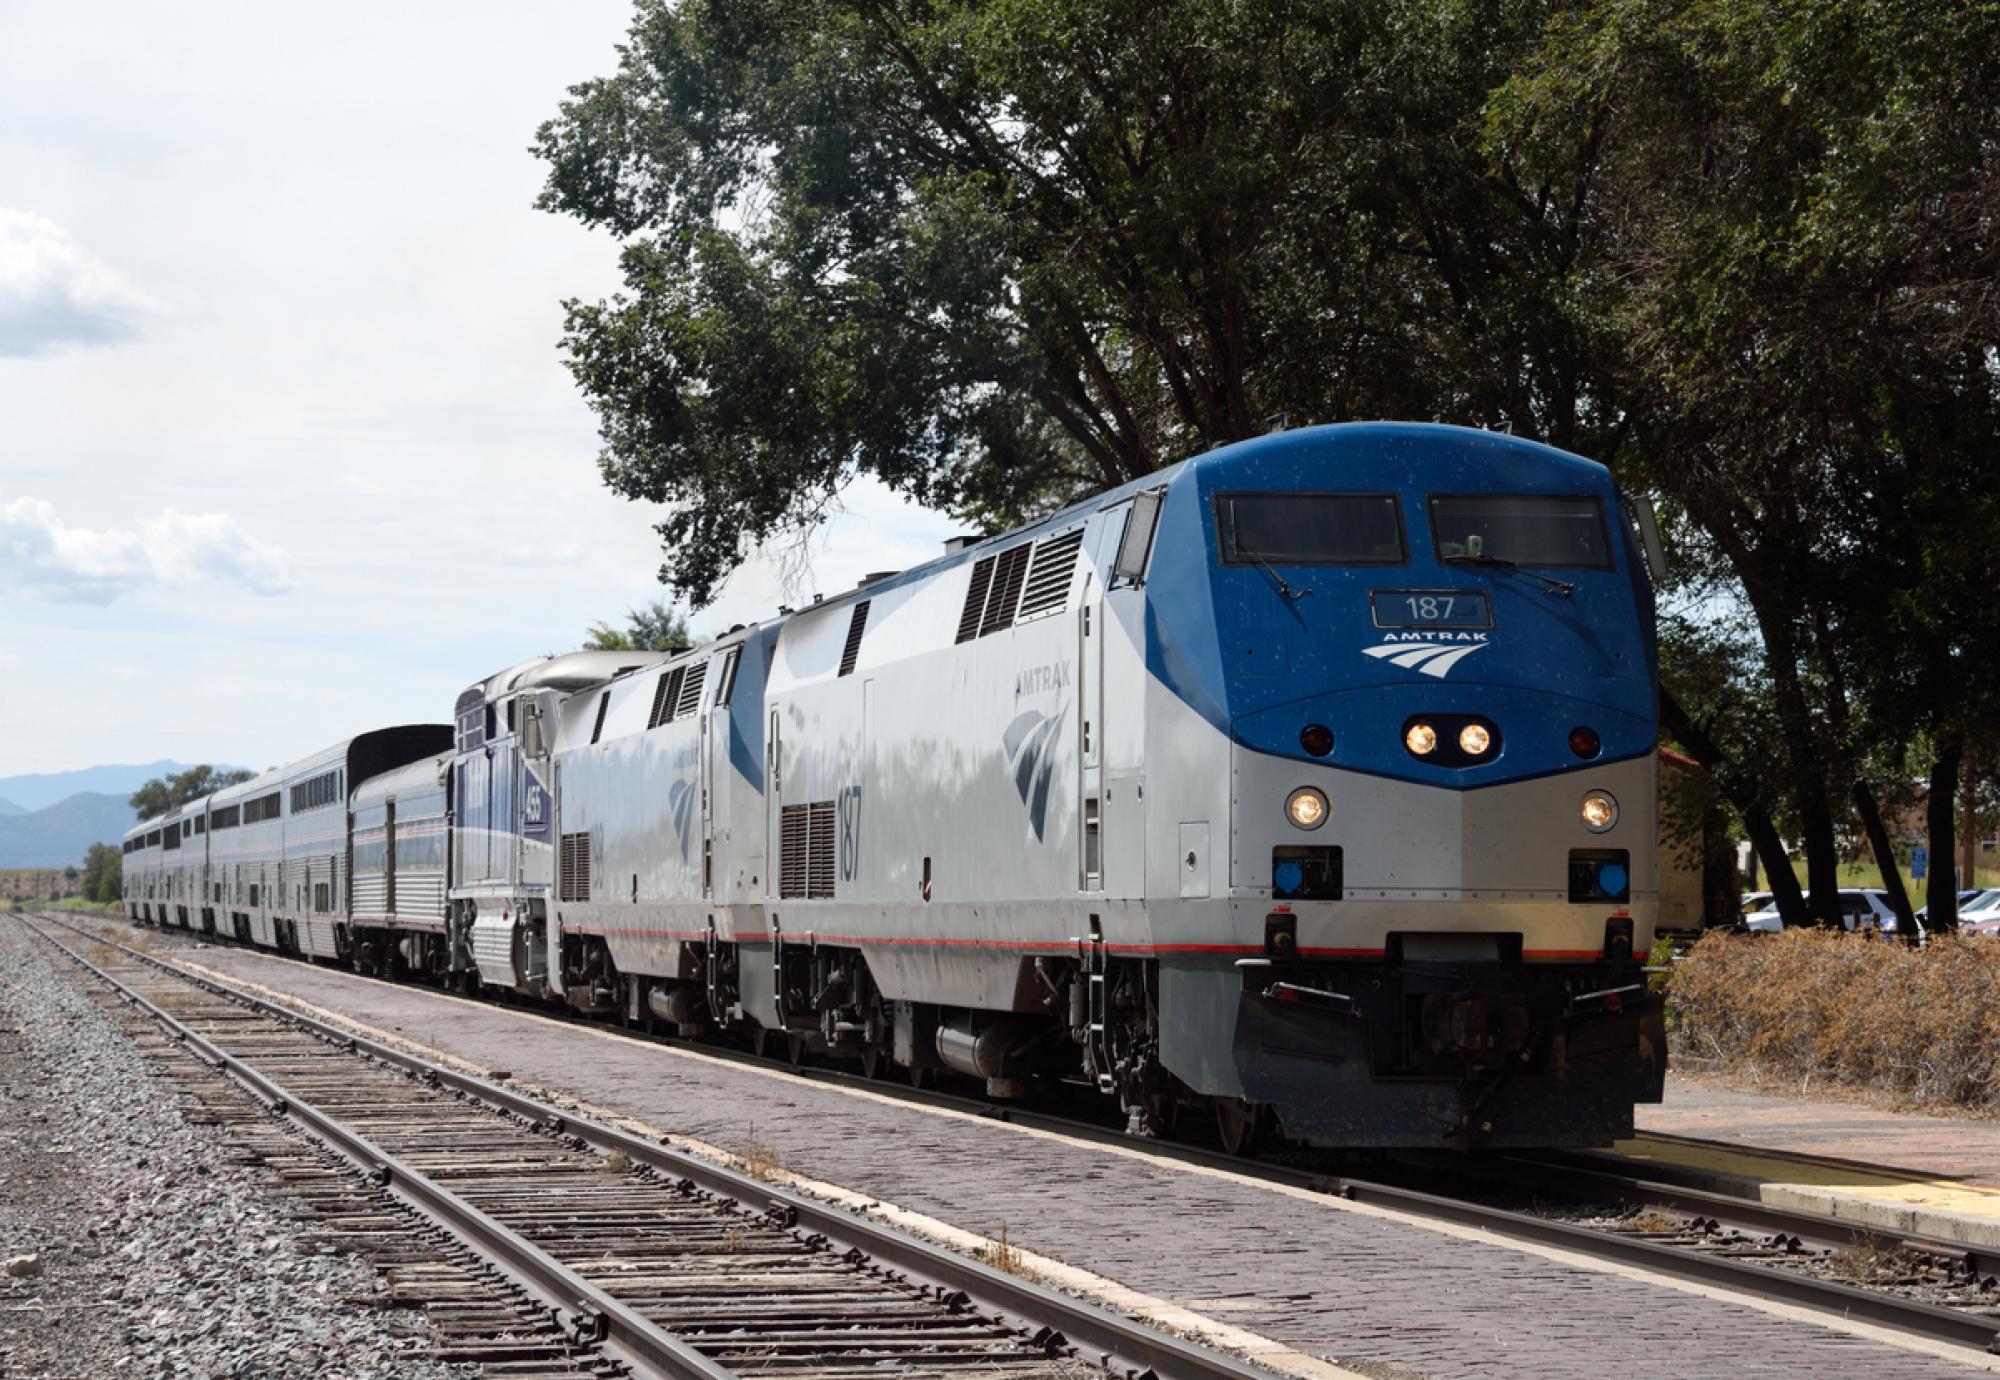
[(1939, 1290), (656, 1262)]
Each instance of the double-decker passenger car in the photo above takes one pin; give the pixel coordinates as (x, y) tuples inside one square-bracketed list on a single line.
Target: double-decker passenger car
[(1308, 782)]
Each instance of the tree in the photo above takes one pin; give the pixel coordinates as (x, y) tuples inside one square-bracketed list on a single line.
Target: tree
[(1796, 207), (654, 628), (103, 873), (164, 793), (1000, 254)]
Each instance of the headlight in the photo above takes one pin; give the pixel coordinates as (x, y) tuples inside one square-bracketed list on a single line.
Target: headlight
[(1473, 740), (1421, 739), (1599, 811), (1307, 807)]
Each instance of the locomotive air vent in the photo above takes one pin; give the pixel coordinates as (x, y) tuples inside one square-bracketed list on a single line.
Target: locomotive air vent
[(575, 863), (603, 704), (855, 627), (666, 692), (807, 837), (975, 599), (690, 696), (1048, 581)]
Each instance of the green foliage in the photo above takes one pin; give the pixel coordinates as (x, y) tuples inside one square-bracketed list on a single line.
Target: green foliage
[(103, 873), (163, 793), (654, 628), (1000, 254), (1791, 272)]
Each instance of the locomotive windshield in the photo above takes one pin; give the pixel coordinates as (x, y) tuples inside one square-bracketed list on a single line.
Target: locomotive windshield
[(1521, 529), (1310, 529)]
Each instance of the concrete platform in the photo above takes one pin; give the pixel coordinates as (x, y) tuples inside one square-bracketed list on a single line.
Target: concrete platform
[(1884, 1171), (1313, 1286)]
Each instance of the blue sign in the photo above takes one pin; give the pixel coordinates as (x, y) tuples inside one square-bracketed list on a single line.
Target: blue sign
[(1920, 858)]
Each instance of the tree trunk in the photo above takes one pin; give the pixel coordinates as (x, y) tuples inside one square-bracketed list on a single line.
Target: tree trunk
[(1721, 893), (1784, 882), (1968, 820), (1942, 893), (1822, 858), (1885, 860), (1756, 820)]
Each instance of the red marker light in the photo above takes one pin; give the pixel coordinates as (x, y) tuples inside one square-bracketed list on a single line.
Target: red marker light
[(1316, 739), (1584, 742)]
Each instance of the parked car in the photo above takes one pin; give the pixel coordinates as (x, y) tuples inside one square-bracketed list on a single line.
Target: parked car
[(1860, 908), (1980, 915), (1965, 898)]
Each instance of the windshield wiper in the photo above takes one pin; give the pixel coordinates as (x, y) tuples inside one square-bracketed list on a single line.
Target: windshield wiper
[(1550, 585), (1283, 588)]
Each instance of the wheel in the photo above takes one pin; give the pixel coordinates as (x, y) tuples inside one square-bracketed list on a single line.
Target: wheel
[(760, 1040), (874, 1063), (795, 1051), (1239, 1124)]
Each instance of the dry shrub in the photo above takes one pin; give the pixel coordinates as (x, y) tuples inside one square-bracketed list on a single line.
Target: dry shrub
[(1003, 1254), (1822, 1006), (760, 1159)]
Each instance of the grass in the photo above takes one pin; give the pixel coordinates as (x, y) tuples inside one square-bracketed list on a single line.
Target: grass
[(1866, 874), (87, 907)]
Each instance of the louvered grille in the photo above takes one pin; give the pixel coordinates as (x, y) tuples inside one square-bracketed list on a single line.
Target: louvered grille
[(575, 866), (808, 850), (855, 627), (663, 690), (689, 699), (603, 703), (1047, 589), (821, 863), (793, 833), (1011, 568), (975, 599)]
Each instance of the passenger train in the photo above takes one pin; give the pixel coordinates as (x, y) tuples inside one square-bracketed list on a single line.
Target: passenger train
[(1308, 785)]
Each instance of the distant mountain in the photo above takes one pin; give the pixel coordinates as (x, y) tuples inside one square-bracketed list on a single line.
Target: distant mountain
[(36, 792), (8, 807), (63, 832)]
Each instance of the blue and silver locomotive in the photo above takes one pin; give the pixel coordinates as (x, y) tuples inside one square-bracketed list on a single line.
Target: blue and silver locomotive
[(1309, 783)]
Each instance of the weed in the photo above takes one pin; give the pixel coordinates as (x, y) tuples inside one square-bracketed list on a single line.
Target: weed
[(617, 1162), (1653, 1222), (761, 1160), (1002, 1254), (1869, 1257)]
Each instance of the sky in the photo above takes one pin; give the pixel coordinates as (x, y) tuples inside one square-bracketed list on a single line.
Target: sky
[(287, 450)]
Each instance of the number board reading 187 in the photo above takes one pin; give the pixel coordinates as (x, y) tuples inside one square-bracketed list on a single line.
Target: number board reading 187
[(1430, 608)]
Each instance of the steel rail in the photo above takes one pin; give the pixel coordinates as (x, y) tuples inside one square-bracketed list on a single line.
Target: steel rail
[(1934, 1323), (582, 1309), (1572, 1175), (1118, 1342)]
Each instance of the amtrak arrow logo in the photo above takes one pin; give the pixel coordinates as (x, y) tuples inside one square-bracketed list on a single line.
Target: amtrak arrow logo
[(1432, 658), (1030, 744)]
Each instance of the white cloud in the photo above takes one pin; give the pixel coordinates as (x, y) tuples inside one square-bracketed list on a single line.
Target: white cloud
[(54, 292), (39, 551)]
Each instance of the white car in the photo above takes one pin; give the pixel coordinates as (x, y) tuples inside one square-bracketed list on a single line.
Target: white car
[(1859, 908), (1981, 915)]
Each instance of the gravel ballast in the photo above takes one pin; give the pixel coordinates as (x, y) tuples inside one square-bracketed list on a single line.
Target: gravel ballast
[(132, 1243)]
